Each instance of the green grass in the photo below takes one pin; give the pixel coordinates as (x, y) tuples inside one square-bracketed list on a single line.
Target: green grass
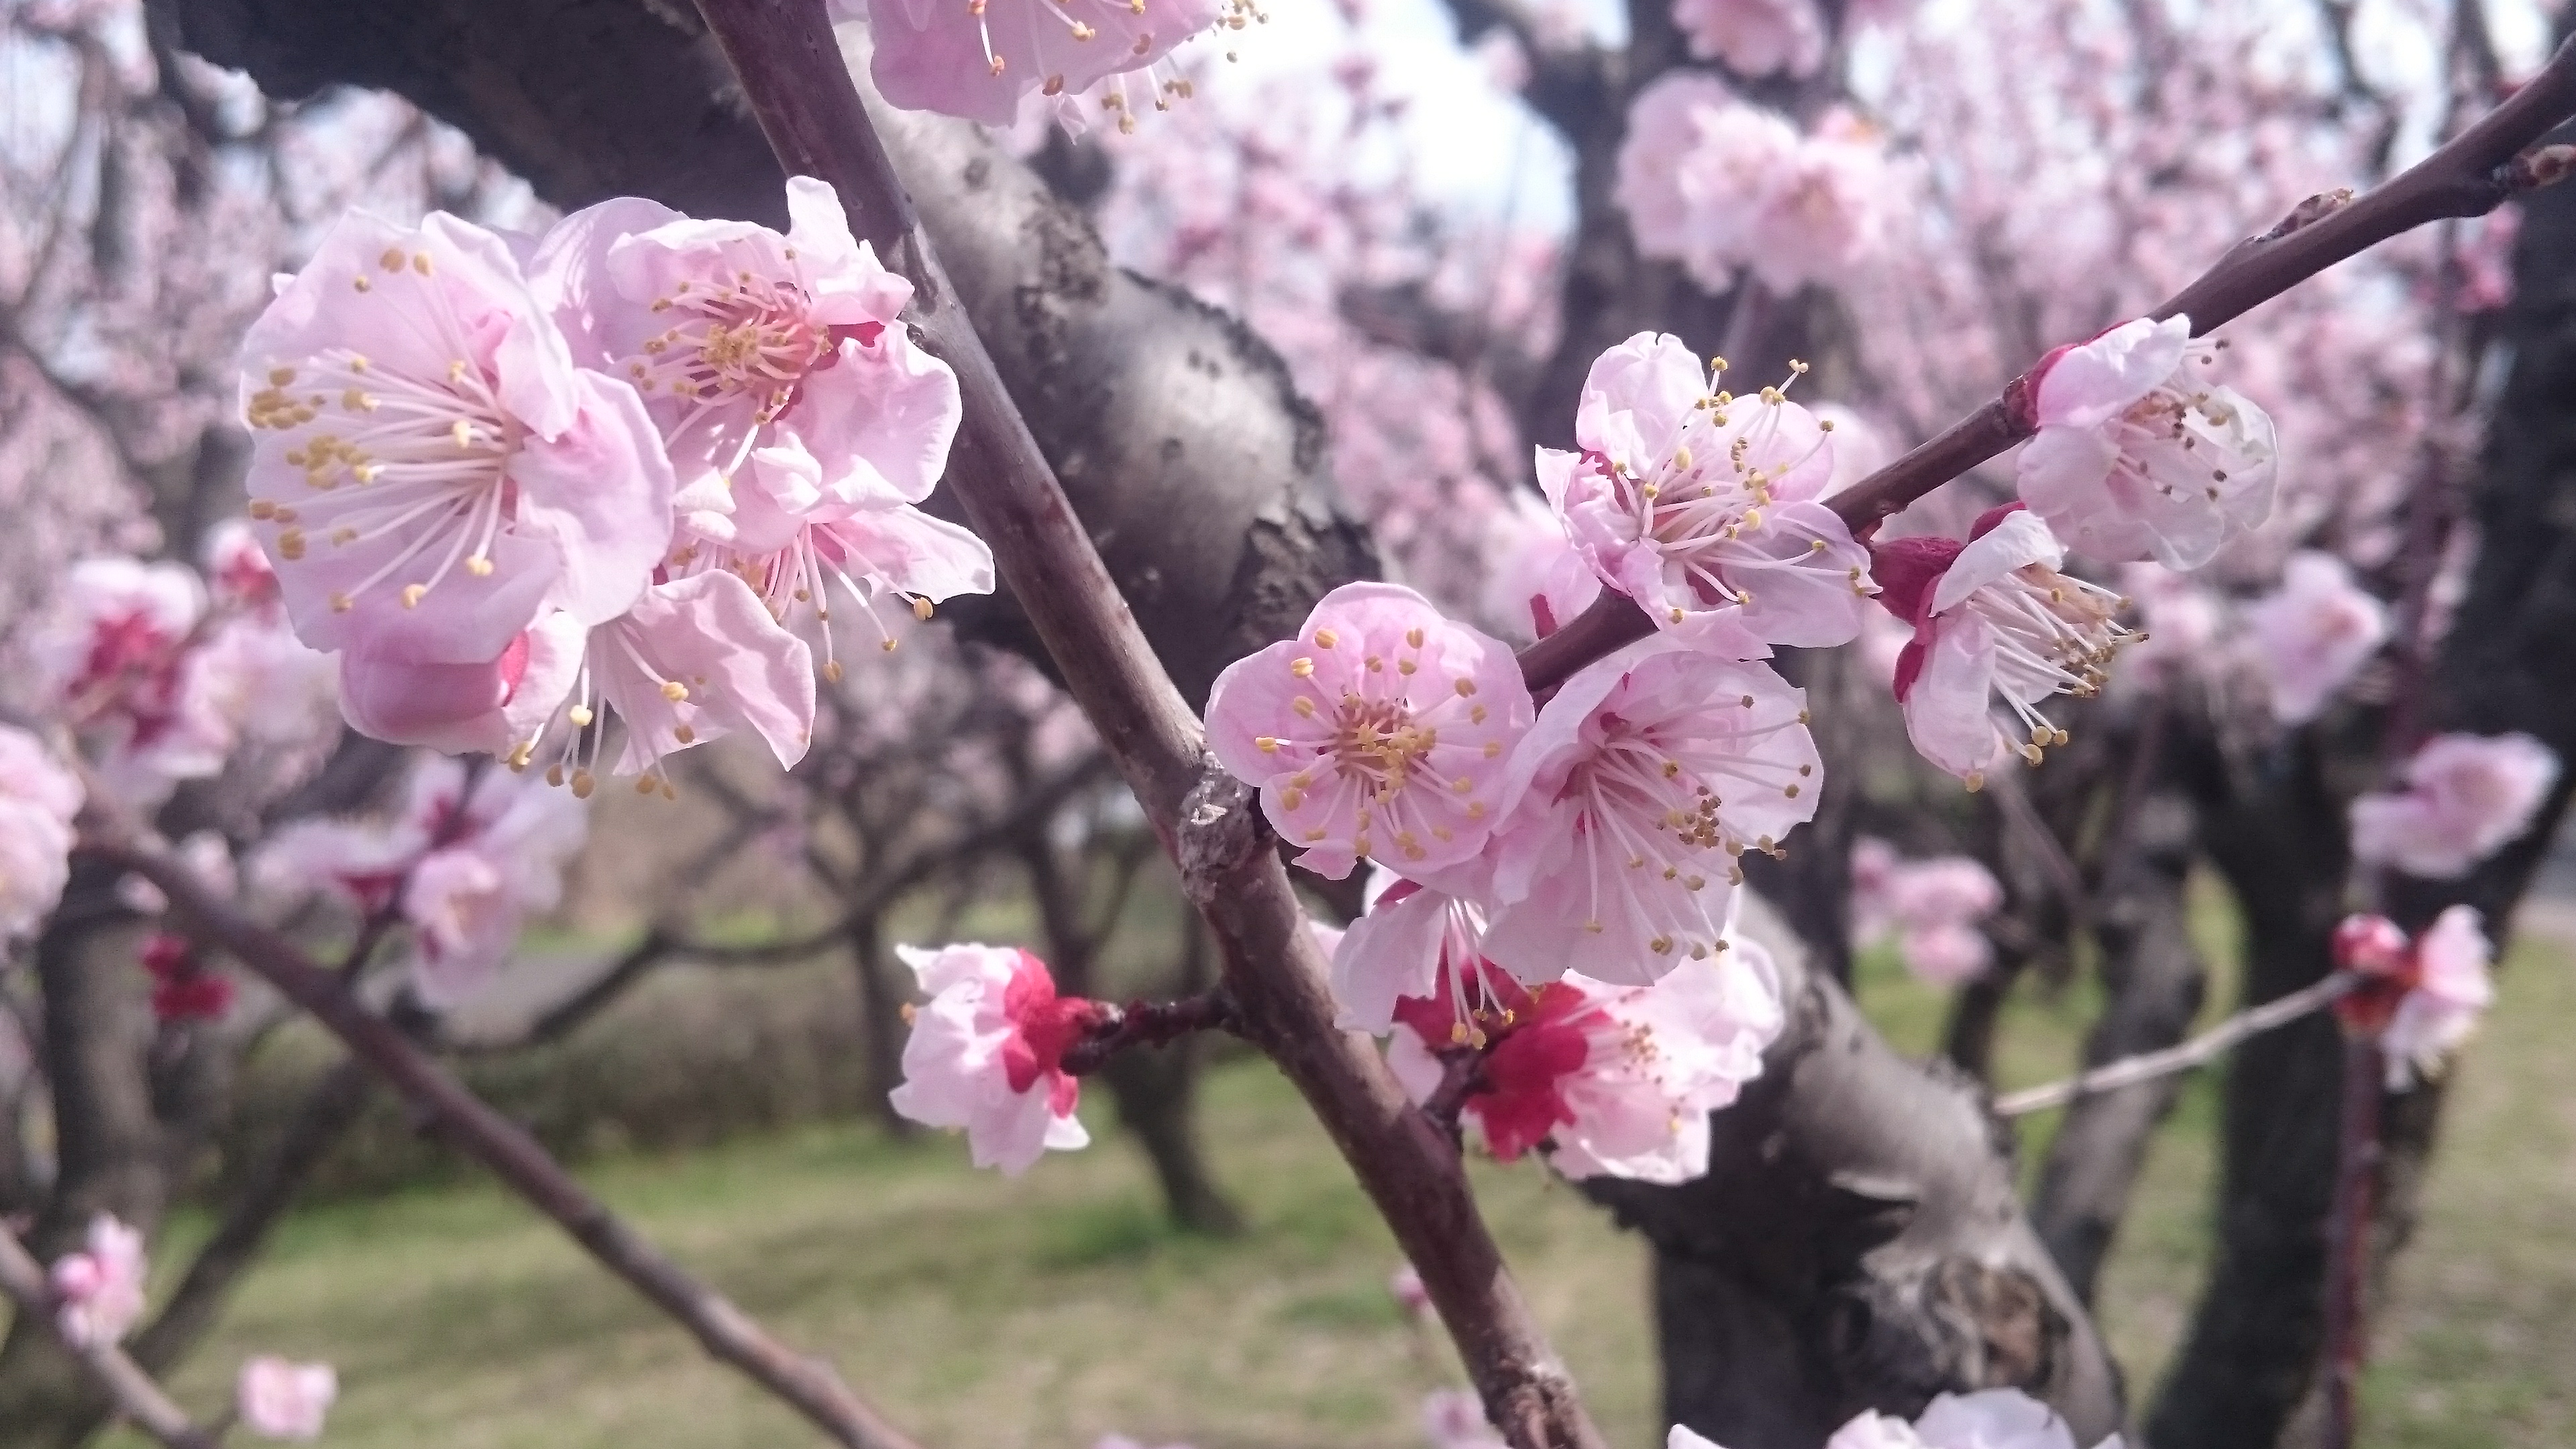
[(985, 1314)]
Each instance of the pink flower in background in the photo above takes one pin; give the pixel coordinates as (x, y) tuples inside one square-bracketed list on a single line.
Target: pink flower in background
[(98, 1291), (237, 567), (2466, 797), (1607, 1080), (1823, 211), (1381, 731), (1870, 1429), (113, 658), (986, 1054), (38, 800), (182, 988), (1993, 620), (2314, 633), (1644, 778), (1701, 509), (976, 58), (496, 849), (1930, 908), (1754, 37), (2180, 622), (1405, 1287), (2448, 991), (1455, 1419), (430, 469), (281, 1400), (1121, 1441), (2139, 455)]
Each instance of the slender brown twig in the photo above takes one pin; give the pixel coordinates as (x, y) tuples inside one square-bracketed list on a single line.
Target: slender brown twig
[(806, 1384), (137, 1398), (799, 88), (2182, 1056)]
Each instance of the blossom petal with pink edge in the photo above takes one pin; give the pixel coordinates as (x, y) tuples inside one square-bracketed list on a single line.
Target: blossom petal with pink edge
[(469, 708), (697, 659), (98, 1291), (976, 62)]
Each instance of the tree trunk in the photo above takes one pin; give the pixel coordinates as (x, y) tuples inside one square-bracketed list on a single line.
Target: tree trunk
[(1855, 1245), (881, 1002), (2155, 982)]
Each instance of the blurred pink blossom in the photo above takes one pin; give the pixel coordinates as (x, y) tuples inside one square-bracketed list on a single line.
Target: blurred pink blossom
[(98, 1291), (2314, 633), (1930, 908), (1381, 731), (38, 800), (1986, 1419), (2448, 992), (976, 61), (2138, 455), (2466, 797), (1754, 37), (986, 1054), (1405, 1287), (281, 1400), (1455, 1419)]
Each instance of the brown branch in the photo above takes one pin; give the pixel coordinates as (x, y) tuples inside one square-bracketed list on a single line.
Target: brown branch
[(1150, 1024), (800, 90), (138, 1398), (2470, 176), (726, 1332)]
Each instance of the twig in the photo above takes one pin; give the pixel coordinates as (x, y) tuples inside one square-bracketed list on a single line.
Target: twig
[(799, 88), (805, 1384), (2183, 1056), (1152, 1024), (2348, 1234), (2468, 176), (136, 1396)]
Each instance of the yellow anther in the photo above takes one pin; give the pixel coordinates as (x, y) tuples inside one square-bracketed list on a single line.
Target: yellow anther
[(581, 715), (674, 691), (412, 594)]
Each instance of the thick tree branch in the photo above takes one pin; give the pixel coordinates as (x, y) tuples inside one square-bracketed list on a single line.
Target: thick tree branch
[(137, 1397), (792, 70), (805, 1384)]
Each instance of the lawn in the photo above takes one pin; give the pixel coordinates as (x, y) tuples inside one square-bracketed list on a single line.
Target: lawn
[(1044, 1312)]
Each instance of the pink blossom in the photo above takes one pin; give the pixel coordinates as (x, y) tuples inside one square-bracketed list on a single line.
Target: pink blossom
[(1537, 581), (1680, 1437), (38, 800), (986, 1054), (1644, 778), (1607, 1080), (1382, 730), (2449, 991), (1455, 1419), (2466, 797), (2314, 633), (1121, 1441), (1986, 1419), (1930, 908), (237, 567), (113, 658), (495, 853), (1823, 211), (976, 60), (1405, 1287), (98, 1291), (431, 469), (1668, 121), (1397, 948), (1993, 620), (803, 421), (2179, 621), (281, 1400), (1701, 507), (2138, 455), (1754, 37), (488, 707)]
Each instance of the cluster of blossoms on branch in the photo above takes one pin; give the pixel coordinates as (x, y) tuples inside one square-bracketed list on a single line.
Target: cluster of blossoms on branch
[(520, 483), (99, 1296)]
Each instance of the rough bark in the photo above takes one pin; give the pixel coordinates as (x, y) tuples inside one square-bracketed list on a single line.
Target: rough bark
[(2154, 980), (1201, 476), (1856, 1244)]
